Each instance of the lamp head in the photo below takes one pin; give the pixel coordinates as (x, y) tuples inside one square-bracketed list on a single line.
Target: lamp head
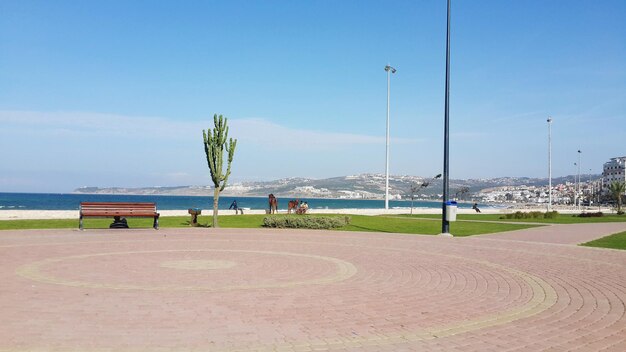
[(549, 119), (388, 68)]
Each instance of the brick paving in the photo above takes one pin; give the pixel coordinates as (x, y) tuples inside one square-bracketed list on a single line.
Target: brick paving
[(565, 234), (285, 290)]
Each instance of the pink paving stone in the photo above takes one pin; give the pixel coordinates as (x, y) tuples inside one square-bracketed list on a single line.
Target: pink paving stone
[(566, 234), (267, 290)]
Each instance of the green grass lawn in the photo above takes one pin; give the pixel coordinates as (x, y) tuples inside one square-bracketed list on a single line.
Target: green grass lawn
[(245, 221), (615, 241), (560, 219), (391, 224), (408, 225)]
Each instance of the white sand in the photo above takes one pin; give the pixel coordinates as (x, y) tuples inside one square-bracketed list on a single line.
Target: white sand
[(73, 214)]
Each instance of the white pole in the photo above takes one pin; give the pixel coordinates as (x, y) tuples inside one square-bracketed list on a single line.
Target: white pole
[(389, 70), (387, 146), (549, 163), (578, 187)]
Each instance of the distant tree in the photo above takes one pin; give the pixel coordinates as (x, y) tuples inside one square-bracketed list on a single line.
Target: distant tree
[(617, 190), (214, 145)]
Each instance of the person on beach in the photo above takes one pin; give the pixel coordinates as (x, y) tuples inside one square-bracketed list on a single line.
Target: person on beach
[(273, 203), (302, 209), (233, 205), (475, 207)]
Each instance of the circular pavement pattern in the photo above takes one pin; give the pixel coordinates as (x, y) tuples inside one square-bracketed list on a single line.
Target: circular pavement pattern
[(268, 290)]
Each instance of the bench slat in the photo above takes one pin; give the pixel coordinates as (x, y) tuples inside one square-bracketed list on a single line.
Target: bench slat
[(114, 205), (112, 209), (118, 213)]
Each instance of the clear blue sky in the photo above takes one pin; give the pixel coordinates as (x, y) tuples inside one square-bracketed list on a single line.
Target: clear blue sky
[(116, 93)]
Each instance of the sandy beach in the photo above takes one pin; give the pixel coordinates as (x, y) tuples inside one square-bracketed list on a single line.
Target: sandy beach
[(73, 214), (14, 214)]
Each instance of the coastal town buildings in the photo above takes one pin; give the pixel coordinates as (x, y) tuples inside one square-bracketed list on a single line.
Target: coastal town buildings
[(561, 194), (592, 188), (614, 170)]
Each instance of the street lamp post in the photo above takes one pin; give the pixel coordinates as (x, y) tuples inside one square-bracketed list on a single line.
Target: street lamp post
[(578, 184), (592, 188), (445, 225), (575, 187), (389, 70), (549, 163), (416, 188)]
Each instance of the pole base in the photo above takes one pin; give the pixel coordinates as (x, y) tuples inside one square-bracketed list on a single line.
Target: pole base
[(446, 234)]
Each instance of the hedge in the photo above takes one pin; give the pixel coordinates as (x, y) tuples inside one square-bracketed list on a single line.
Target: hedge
[(305, 222), (531, 215)]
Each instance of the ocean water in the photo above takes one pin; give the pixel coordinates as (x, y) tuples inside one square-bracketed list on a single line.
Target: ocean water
[(53, 201)]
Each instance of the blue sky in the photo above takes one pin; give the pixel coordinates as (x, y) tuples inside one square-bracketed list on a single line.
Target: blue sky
[(116, 93)]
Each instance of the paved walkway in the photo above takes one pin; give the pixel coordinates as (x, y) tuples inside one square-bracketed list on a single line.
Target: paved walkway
[(564, 234), (269, 290)]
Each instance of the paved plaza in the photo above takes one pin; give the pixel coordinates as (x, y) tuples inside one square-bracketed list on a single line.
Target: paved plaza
[(301, 290)]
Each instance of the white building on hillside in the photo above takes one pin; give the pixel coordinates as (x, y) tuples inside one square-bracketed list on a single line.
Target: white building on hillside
[(614, 170)]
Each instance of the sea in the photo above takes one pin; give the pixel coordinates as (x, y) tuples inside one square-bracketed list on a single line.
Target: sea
[(71, 201)]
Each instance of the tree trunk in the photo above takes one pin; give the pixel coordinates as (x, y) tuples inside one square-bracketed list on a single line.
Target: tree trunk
[(216, 197)]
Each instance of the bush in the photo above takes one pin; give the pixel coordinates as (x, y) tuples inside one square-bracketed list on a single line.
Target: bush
[(531, 215), (305, 222), (590, 215), (551, 214)]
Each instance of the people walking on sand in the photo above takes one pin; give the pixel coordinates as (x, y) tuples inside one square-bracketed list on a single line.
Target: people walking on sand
[(273, 204), (234, 206)]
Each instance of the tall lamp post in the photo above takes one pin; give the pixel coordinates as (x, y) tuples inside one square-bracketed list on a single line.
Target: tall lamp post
[(575, 187), (415, 188), (578, 184), (389, 70), (445, 225), (549, 163)]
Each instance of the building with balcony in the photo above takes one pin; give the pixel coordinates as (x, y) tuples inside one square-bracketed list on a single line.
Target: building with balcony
[(614, 170)]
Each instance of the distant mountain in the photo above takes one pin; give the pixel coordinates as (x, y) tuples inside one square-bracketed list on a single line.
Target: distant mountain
[(364, 186)]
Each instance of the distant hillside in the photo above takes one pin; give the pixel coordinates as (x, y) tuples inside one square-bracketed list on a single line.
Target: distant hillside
[(365, 186)]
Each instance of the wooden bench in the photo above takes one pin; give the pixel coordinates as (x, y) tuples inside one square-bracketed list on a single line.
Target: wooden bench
[(113, 209)]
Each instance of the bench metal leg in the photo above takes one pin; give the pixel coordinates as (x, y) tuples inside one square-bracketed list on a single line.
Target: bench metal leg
[(156, 223), (80, 223)]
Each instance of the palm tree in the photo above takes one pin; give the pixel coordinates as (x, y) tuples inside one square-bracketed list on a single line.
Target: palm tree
[(617, 189)]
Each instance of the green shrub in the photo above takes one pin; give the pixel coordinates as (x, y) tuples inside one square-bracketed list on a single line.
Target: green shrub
[(531, 215), (305, 222), (590, 215), (551, 214)]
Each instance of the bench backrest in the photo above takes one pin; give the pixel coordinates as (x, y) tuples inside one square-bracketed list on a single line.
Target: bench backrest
[(88, 207)]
